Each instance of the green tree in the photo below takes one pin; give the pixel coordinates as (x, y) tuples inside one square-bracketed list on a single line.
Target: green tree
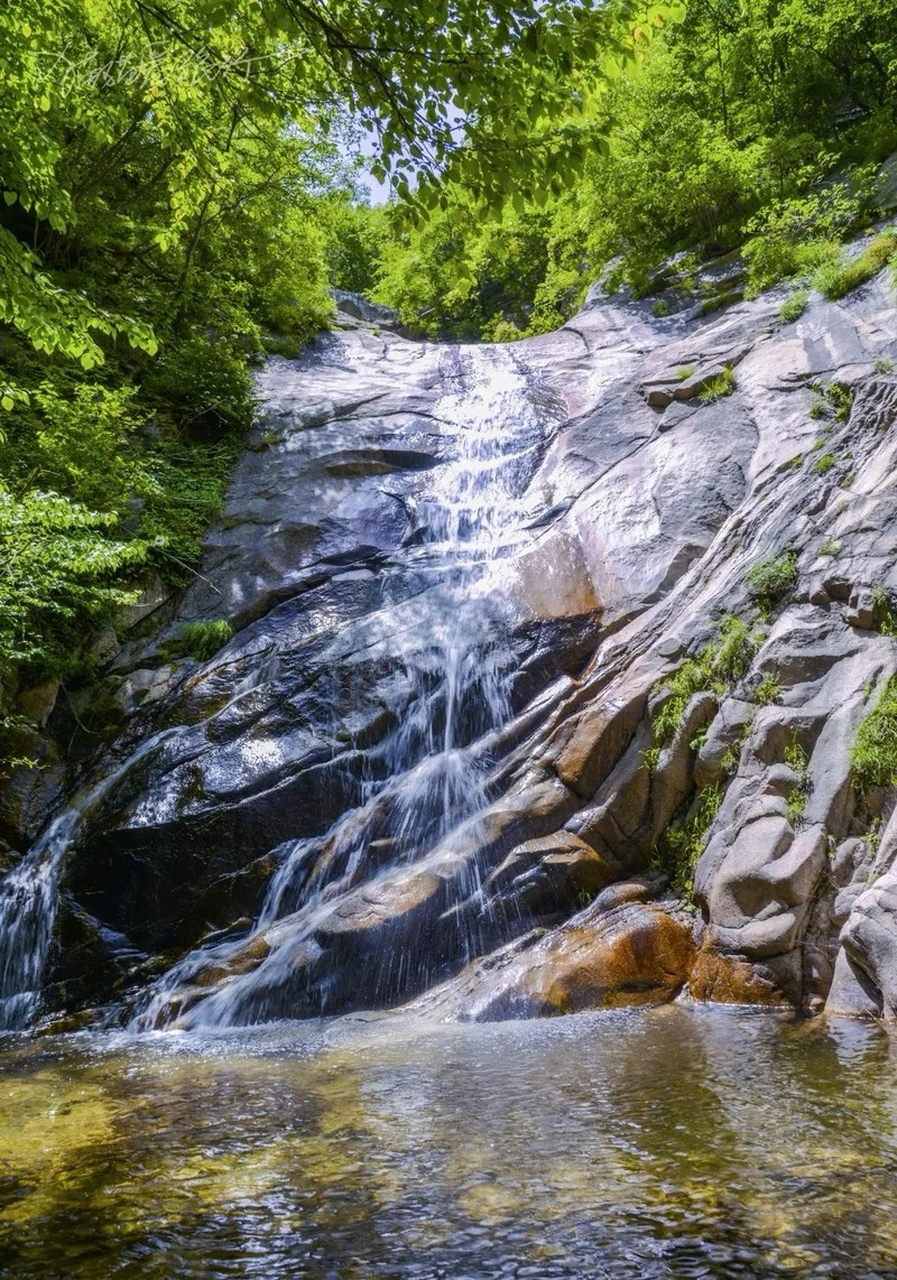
[(731, 128)]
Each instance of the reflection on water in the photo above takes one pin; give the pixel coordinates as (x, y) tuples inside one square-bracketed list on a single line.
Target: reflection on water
[(673, 1143)]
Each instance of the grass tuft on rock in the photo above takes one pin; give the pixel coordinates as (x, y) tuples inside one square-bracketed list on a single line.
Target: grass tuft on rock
[(823, 463), (796, 800), (874, 755), (200, 640), (679, 848), (838, 279), (794, 306), (718, 665), (769, 580), (722, 385)]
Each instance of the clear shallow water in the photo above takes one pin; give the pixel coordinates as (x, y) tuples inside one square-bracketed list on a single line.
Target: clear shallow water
[(674, 1143)]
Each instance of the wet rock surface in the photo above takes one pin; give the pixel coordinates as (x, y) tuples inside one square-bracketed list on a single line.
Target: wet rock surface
[(425, 751)]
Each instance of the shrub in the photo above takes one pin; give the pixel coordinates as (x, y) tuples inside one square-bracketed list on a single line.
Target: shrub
[(685, 372), (186, 483), (61, 570), (794, 237), (830, 547), (823, 464), (502, 331), (207, 385), (884, 365), (82, 442), (838, 278)]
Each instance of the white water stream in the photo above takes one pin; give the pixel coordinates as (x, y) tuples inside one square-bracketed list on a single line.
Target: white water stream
[(446, 641), (450, 648)]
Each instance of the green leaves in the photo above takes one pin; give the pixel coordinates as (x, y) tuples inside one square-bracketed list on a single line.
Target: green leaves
[(53, 318), (58, 566)]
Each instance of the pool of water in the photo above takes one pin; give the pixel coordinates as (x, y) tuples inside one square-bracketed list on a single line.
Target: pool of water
[(670, 1143)]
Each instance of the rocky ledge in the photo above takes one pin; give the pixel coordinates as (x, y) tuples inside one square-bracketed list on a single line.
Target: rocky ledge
[(691, 796)]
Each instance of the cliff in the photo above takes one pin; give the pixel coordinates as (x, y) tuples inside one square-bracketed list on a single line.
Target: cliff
[(548, 668)]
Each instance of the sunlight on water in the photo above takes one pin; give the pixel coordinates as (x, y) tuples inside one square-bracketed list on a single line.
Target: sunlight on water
[(675, 1143)]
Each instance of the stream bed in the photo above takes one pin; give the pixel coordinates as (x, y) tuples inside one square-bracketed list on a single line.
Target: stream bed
[(677, 1142)]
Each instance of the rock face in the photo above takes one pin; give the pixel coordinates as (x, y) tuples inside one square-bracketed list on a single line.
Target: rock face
[(432, 757)]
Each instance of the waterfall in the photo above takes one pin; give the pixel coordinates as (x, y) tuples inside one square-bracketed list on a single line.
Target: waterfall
[(29, 896), (427, 777), (440, 631)]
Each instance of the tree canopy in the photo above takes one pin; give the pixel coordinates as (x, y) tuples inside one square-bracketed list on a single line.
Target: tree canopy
[(176, 196), (748, 123), (145, 121)]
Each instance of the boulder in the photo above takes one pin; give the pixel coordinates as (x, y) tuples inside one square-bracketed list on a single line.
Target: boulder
[(634, 953), (730, 979)]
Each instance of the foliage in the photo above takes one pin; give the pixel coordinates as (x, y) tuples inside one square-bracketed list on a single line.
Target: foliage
[(771, 578), (874, 755), (357, 236), (800, 236), (205, 386), (830, 547), (746, 125), (840, 277), (794, 306), (200, 640), (155, 216), (722, 385), (60, 567), (166, 131), (823, 463), (718, 665), (796, 799), (682, 843), (884, 365), (512, 281)]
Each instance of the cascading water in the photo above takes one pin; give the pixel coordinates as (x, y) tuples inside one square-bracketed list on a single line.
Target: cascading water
[(439, 635), (29, 898), (426, 778), (27, 914)]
